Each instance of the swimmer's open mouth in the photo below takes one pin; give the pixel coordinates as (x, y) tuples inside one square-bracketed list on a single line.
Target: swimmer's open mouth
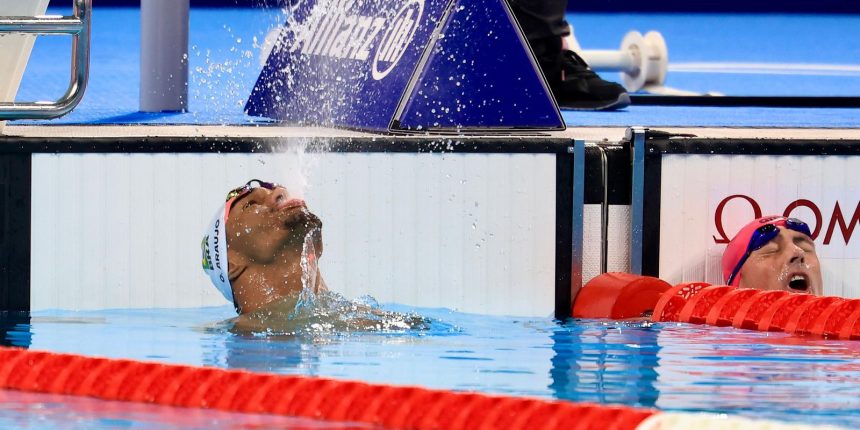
[(798, 282), (284, 204)]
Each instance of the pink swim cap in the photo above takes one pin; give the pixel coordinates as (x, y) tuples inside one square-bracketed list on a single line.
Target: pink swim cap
[(736, 249)]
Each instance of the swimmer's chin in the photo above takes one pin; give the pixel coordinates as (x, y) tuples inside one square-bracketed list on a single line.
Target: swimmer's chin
[(297, 236), (300, 218)]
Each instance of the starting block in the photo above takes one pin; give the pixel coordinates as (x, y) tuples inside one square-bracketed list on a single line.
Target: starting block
[(404, 66)]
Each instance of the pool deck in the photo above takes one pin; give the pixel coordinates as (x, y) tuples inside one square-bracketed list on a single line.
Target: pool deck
[(589, 134), (224, 64)]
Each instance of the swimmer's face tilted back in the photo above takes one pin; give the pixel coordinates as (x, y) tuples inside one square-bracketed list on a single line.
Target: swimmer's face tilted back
[(266, 230), (788, 262), (262, 222), (260, 251), (773, 253)]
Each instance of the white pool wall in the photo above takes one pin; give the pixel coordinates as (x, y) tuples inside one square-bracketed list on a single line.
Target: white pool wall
[(471, 232)]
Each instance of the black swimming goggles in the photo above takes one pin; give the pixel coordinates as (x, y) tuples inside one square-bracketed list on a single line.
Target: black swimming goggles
[(245, 189)]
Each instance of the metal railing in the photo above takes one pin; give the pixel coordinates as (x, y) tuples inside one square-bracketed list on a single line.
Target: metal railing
[(78, 26)]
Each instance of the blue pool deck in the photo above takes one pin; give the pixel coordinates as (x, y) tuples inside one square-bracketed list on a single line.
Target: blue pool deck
[(225, 45)]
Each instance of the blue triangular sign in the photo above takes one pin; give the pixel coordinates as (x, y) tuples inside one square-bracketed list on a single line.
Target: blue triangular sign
[(404, 65)]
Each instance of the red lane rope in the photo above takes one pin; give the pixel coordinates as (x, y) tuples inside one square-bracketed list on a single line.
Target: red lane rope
[(320, 398), (698, 306), (801, 314), (720, 305)]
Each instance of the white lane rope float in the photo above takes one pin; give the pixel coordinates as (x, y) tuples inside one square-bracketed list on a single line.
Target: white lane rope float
[(642, 60), (643, 63)]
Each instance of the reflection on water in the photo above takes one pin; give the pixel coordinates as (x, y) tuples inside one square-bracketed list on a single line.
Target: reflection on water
[(15, 329), (46, 411), (611, 363), (760, 374), (678, 367), (298, 340)]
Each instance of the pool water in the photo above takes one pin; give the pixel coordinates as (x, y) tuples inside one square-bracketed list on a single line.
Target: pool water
[(44, 411), (676, 367)]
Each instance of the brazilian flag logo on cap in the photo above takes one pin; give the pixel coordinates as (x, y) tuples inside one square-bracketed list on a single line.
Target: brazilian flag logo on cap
[(207, 261)]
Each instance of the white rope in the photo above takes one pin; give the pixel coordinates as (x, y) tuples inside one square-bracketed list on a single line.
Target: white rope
[(685, 421)]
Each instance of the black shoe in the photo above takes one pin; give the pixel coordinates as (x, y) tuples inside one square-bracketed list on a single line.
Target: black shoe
[(575, 86)]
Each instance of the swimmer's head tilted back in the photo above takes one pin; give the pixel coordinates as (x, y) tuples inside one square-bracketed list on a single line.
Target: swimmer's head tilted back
[(773, 253), (253, 248)]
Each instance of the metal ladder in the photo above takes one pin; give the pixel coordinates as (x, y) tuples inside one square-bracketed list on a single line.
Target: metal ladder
[(78, 26)]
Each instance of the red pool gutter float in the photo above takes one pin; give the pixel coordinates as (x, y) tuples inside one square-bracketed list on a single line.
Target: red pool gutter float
[(623, 296)]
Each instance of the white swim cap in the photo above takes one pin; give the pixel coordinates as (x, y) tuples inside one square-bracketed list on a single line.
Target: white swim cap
[(215, 253), (214, 245)]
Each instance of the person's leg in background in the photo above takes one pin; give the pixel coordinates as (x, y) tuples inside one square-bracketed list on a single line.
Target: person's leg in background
[(573, 83)]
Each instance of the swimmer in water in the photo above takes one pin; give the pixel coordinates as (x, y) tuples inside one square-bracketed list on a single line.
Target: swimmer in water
[(773, 253), (261, 253)]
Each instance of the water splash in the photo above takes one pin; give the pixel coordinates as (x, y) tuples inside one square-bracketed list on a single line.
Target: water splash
[(319, 312), (323, 311), (310, 275)]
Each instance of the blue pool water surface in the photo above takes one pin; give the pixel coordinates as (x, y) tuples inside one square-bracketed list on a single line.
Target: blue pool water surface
[(675, 367)]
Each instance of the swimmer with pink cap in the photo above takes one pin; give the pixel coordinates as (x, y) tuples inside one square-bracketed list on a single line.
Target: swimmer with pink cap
[(253, 249), (773, 253)]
